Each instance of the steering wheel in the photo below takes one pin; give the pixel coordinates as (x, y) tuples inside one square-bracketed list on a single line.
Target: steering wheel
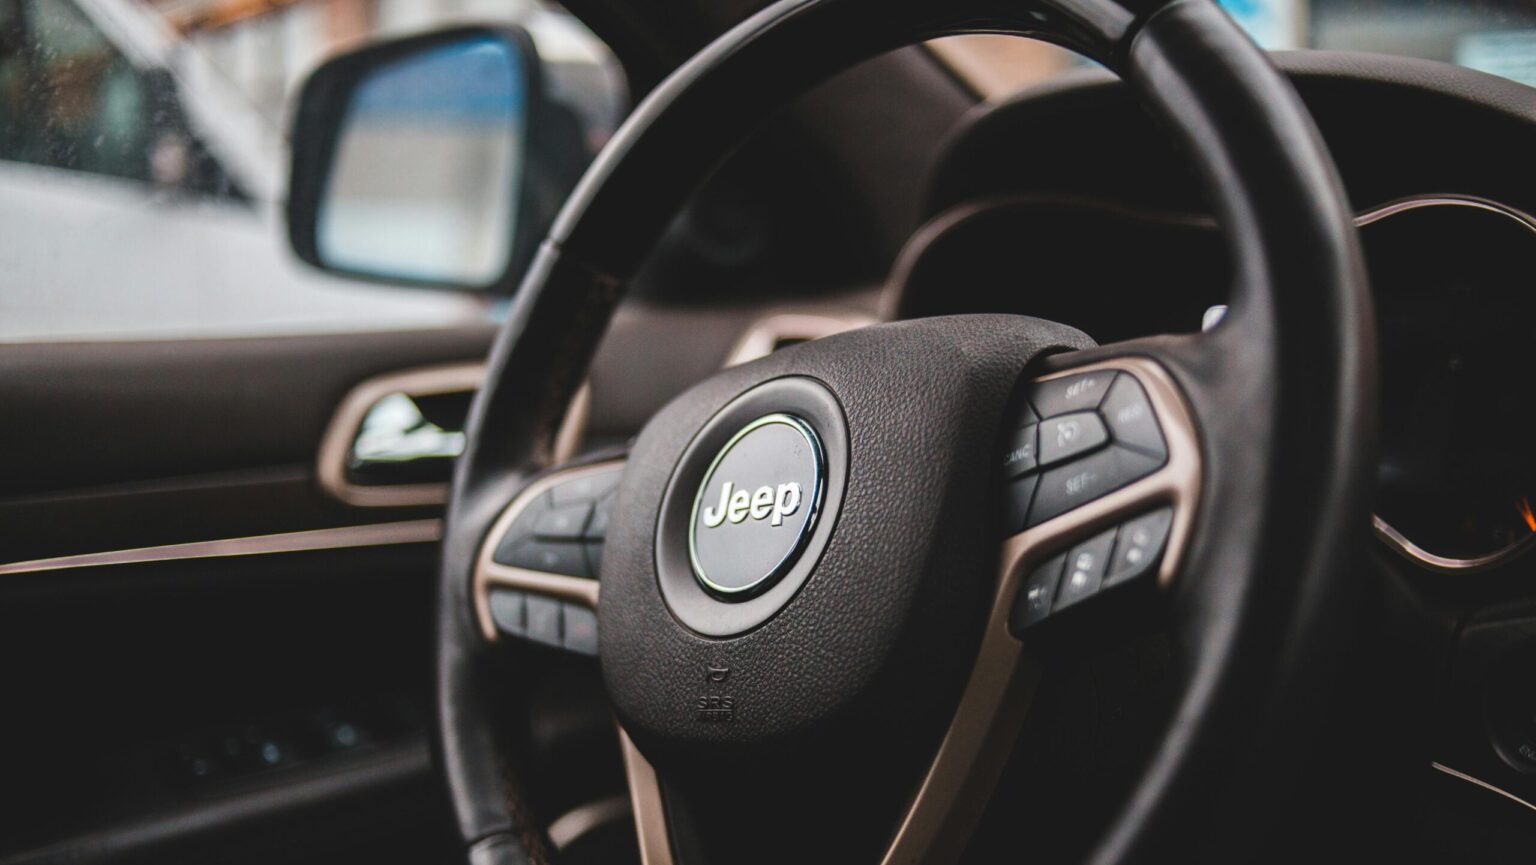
[(829, 579)]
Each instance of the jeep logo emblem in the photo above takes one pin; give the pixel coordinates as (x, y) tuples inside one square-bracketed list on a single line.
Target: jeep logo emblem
[(756, 506), (738, 505)]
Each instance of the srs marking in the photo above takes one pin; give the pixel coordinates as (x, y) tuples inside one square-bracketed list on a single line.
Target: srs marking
[(716, 709), (713, 708)]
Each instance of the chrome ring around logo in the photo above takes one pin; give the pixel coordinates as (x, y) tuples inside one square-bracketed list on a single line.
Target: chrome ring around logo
[(756, 506)]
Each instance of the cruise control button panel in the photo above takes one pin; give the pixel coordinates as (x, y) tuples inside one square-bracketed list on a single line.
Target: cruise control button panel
[(561, 532), (1095, 569), (558, 532), (539, 619), (1073, 439)]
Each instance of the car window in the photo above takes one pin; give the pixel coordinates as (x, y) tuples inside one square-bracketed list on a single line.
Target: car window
[(143, 152), (70, 98), (1494, 36)]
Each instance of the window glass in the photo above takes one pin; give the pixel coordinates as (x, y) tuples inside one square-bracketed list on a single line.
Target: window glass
[(71, 99), (1495, 36), (143, 161), (68, 98)]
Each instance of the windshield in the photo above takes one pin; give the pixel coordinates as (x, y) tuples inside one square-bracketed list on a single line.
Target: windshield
[(1493, 36), (1496, 36)]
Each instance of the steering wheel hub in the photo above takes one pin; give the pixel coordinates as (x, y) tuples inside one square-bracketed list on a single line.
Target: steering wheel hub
[(872, 450), (757, 506)]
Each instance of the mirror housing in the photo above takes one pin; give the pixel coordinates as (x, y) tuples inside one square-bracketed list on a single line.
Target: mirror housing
[(433, 160)]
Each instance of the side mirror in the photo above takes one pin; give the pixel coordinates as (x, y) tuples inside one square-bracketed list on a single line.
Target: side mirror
[(412, 159)]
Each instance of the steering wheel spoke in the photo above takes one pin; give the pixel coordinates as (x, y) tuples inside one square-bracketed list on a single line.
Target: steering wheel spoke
[(1101, 478), (1100, 483), (536, 573)]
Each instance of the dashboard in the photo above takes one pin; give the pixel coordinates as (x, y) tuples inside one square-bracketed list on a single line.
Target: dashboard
[(1456, 319), (1456, 316), (1067, 202), (1107, 237)]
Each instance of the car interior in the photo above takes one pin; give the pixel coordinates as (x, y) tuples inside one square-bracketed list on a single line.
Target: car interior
[(845, 457)]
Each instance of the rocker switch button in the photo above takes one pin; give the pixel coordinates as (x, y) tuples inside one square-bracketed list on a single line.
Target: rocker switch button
[(1071, 393), (1070, 435), (1131, 419), (1021, 457), (1086, 566)]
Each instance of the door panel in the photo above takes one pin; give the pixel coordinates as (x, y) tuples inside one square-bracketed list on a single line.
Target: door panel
[(227, 709), (113, 445), (223, 701)]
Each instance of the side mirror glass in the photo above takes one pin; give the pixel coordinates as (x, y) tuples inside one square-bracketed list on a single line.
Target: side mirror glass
[(410, 159)]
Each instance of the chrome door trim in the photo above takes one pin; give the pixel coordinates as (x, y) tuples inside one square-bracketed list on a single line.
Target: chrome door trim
[(371, 535), (336, 444)]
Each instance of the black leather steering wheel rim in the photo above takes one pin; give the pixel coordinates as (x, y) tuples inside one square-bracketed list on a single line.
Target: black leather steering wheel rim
[(1286, 382)]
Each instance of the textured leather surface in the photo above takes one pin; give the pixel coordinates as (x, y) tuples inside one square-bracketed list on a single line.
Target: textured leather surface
[(884, 626), (534, 369)]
